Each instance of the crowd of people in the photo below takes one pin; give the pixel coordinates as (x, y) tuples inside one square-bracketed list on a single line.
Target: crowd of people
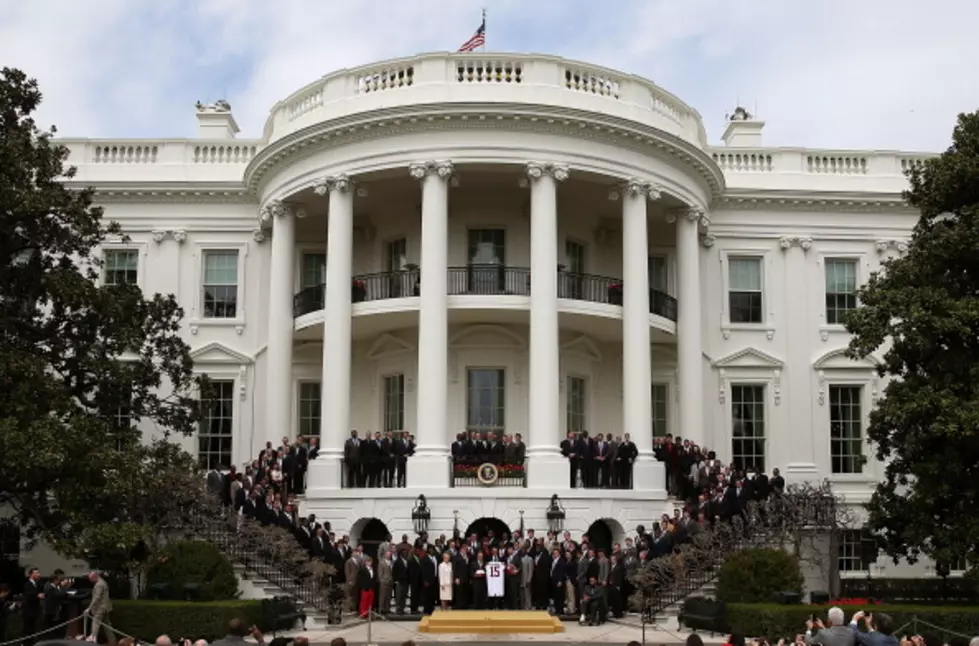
[(47, 608), (599, 462)]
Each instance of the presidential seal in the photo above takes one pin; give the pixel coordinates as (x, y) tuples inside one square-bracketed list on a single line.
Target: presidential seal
[(487, 473)]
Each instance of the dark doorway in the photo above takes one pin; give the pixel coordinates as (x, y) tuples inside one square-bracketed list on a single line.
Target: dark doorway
[(600, 536), (481, 527), (374, 533)]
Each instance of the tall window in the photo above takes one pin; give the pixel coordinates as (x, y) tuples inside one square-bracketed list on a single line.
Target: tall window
[(661, 410), (656, 266), (121, 267), (745, 290), (313, 271), (573, 284), (845, 436), (576, 405), (486, 400), (748, 426), (217, 425), (310, 408), (841, 289), (394, 402), (221, 284), (853, 551)]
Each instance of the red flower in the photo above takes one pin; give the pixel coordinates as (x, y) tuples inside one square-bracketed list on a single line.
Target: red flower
[(358, 283), (615, 286)]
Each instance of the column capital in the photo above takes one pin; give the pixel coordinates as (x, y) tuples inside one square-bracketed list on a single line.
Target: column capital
[(277, 209), (341, 183), (693, 214), (635, 187), (536, 170), (803, 242), (443, 169)]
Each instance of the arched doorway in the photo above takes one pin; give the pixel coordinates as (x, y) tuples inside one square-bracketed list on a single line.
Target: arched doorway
[(600, 536), (372, 533), (481, 527)]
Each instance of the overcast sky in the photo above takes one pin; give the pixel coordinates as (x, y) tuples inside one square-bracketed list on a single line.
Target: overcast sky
[(884, 74)]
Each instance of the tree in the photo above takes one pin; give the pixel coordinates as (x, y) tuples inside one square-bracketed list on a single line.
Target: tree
[(81, 364), (923, 310)]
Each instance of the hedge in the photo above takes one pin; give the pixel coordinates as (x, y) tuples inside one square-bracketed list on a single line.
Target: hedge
[(147, 620), (191, 567), (786, 621), (752, 575)]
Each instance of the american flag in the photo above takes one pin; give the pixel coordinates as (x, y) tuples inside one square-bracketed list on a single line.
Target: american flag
[(478, 39)]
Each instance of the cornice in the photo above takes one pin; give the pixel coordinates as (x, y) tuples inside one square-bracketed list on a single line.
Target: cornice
[(539, 118), (813, 201), (169, 192)]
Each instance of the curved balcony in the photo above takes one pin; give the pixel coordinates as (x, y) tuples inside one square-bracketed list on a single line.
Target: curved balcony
[(483, 280)]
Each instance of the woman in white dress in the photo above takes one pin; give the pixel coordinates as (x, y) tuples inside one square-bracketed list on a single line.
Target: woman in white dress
[(445, 581)]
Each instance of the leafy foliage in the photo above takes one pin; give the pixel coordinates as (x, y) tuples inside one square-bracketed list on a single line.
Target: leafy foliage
[(922, 309), (195, 563), (81, 364), (754, 575)]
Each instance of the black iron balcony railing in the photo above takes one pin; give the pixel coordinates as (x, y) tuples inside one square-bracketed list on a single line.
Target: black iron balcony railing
[(483, 280), (489, 280), (602, 289)]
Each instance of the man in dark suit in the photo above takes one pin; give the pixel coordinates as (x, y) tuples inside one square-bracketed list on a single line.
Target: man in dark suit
[(521, 449), (30, 610), (460, 579), (569, 450), (399, 570), (616, 586), (541, 585), (387, 459), (416, 585), (558, 581), (584, 452), (430, 581), (351, 461), (54, 595), (372, 456), (625, 458), (401, 453)]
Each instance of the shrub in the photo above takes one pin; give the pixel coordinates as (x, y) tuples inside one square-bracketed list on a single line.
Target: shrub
[(191, 563), (777, 621), (147, 620), (754, 575)]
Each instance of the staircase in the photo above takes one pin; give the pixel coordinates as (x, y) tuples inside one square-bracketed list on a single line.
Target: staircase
[(253, 552)]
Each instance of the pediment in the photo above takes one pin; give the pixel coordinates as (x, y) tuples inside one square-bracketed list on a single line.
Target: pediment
[(837, 360), (749, 358), (215, 352), (387, 345), (584, 346), (486, 336)]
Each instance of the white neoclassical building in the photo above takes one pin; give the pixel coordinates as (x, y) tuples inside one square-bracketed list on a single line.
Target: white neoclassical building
[(511, 242)]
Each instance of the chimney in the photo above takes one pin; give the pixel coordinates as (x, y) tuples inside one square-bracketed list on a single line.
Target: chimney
[(215, 121), (743, 130)]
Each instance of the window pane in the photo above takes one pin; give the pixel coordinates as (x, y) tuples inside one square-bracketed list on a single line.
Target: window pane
[(661, 404), (485, 402), (657, 273), (845, 420), (744, 274), (121, 267), (217, 425), (852, 553), (394, 402), (576, 389), (314, 270), (220, 284), (310, 408), (748, 426), (841, 289)]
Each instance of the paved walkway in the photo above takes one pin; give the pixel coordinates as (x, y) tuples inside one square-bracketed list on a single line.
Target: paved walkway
[(388, 633)]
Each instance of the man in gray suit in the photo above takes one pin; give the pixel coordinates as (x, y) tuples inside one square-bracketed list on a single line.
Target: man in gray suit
[(836, 635), (385, 580), (99, 607), (526, 579)]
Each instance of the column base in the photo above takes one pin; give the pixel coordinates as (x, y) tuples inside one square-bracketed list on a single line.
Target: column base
[(325, 473), (649, 474), (547, 470), (428, 471)]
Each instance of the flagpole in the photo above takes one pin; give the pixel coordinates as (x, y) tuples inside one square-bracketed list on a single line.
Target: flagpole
[(484, 30)]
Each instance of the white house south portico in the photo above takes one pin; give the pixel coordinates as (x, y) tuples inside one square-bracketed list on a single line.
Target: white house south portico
[(509, 244)]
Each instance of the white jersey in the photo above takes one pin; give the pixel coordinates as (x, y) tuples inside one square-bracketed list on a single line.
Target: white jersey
[(494, 579)]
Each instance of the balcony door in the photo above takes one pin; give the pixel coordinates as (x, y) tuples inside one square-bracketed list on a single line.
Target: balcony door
[(396, 262), (312, 277), (574, 279), (487, 261)]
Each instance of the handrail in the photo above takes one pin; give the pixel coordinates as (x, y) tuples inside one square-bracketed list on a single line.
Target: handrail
[(489, 280)]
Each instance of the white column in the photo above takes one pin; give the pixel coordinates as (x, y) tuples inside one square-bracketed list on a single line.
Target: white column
[(335, 393), (636, 368), (429, 467), (546, 468), (278, 384), (689, 351)]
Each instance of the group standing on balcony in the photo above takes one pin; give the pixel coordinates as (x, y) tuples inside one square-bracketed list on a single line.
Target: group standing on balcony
[(378, 461), (600, 462)]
